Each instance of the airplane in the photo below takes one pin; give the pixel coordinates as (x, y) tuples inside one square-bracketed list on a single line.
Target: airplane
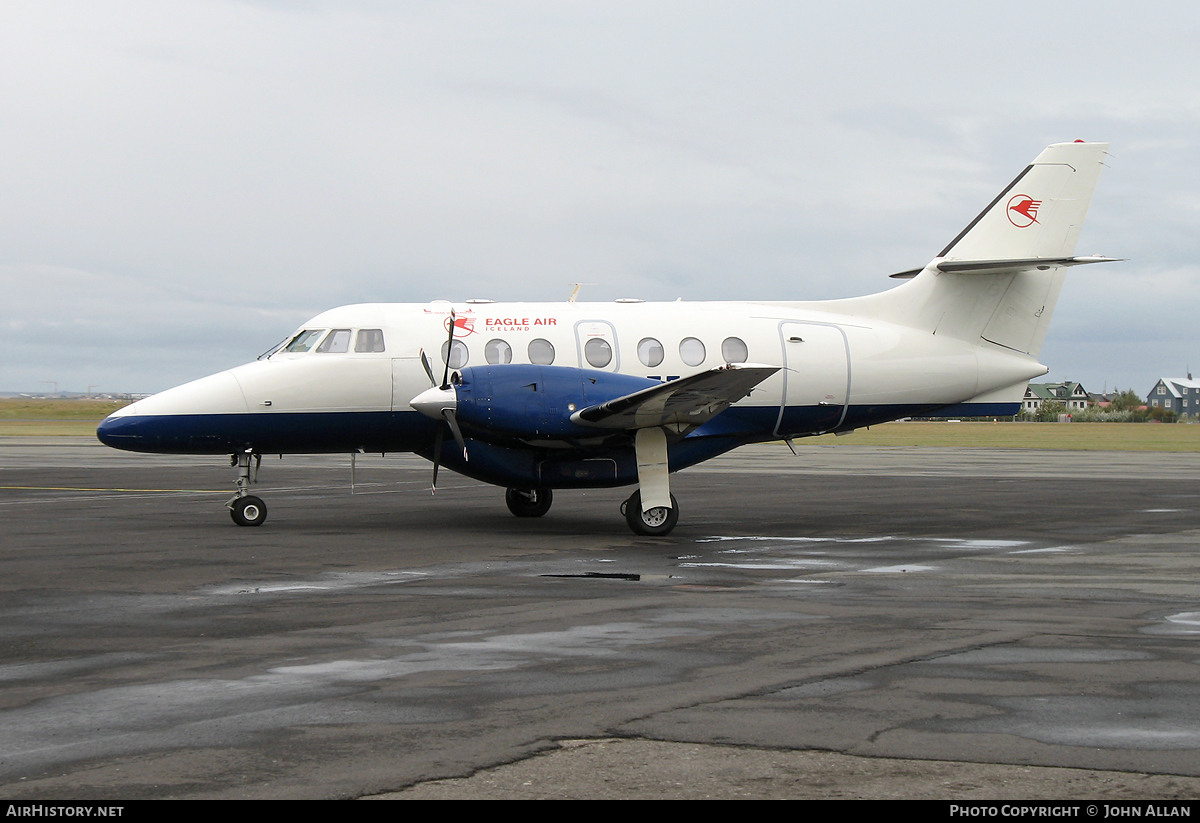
[(539, 397)]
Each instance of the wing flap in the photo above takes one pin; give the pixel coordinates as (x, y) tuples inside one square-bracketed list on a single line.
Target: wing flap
[(689, 401)]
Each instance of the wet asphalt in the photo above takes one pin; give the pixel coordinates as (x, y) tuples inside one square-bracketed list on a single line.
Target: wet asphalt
[(990, 606)]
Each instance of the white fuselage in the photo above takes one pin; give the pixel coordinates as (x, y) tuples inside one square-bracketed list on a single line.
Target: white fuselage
[(841, 362)]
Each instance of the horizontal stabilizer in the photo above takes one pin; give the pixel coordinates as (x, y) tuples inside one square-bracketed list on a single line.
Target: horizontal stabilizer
[(1010, 266), (687, 402), (1006, 266)]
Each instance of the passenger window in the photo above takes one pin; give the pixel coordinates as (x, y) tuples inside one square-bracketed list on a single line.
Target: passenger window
[(541, 352), (650, 352), (497, 352), (734, 350), (369, 340), (336, 342), (305, 340), (692, 351), (455, 355), (597, 352)]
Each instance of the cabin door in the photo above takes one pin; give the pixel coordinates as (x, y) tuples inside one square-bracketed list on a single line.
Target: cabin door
[(816, 378)]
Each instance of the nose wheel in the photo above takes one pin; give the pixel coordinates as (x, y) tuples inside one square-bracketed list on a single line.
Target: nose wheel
[(245, 508), (248, 511), (656, 522)]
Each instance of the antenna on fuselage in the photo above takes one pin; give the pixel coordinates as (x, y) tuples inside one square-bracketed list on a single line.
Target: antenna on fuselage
[(575, 291)]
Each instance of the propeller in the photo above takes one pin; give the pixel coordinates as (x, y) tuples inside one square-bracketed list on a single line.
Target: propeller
[(439, 403)]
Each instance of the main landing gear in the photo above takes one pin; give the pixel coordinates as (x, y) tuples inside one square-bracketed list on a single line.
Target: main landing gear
[(245, 508), (529, 502), (655, 522)]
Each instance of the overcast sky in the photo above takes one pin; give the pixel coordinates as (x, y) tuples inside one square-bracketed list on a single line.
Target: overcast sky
[(184, 183)]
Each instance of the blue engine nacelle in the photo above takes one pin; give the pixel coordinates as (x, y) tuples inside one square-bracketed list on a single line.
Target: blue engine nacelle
[(536, 402)]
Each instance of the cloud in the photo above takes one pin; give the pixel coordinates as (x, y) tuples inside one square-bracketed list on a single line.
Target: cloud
[(187, 182)]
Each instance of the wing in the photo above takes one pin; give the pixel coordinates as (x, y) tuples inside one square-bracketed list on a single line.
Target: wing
[(684, 403)]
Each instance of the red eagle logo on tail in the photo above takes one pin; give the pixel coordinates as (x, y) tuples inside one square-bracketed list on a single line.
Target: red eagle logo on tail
[(1022, 210)]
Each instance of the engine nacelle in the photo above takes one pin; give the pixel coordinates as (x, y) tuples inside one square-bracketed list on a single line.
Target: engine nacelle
[(536, 402)]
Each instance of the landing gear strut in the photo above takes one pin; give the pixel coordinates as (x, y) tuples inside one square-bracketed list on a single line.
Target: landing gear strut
[(528, 502), (656, 522), (245, 508)]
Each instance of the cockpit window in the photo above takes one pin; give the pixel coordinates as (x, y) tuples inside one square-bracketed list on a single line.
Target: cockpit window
[(305, 340), (336, 342), (369, 340), (274, 348)]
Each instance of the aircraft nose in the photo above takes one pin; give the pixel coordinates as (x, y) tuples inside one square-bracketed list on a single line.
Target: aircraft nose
[(184, 418), (432, 402), (115, 430)]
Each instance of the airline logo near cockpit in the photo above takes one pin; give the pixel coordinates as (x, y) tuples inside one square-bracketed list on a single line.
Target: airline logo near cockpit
[(463, 326), (464, 323)]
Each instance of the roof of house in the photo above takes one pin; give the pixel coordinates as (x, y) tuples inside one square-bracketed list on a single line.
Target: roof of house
[(1173, 384), (1055, 391)]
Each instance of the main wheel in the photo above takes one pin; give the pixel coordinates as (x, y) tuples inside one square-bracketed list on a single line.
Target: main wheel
[(248, 511), (655, 523), (528, 502)]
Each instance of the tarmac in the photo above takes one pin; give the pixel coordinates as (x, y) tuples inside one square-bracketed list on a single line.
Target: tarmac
[(851, 622)]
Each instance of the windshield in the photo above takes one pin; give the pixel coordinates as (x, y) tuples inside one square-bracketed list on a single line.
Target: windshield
[(305, 340), (338, 342), (273, 349)]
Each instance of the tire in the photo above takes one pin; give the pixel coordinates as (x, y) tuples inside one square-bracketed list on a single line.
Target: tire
[(248, 511), (658, 522), (529, 502)]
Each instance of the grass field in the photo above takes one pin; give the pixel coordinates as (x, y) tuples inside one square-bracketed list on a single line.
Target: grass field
[(43, 418), (1162, 437)]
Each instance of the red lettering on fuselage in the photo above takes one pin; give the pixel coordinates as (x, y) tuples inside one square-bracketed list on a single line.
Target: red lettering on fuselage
[(518, 323)]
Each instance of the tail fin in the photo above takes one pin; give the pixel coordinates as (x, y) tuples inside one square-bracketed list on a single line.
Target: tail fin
[(998, 280), (1041, 212)]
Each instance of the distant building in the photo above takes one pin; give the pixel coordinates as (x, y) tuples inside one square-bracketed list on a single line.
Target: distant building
[(1071, 395), (1178, 394)]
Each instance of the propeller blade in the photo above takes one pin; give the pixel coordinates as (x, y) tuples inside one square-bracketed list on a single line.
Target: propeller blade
[(449, 353), (437, 454), (428, 369), (453, 423)]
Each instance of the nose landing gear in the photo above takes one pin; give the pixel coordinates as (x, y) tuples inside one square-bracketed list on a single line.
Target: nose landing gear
[(248, 511), (245, 508)]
